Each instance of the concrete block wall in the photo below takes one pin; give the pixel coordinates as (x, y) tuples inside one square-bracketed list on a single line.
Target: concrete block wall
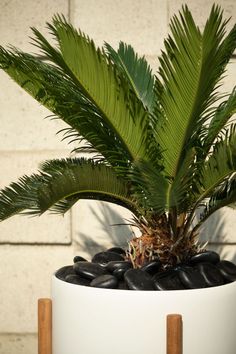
[(32, 248)]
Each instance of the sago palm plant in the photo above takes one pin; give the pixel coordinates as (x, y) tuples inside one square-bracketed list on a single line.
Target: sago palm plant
[(161, 145)]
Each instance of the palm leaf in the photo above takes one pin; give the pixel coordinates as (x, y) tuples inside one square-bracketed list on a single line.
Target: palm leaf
[(136, 70), (52, 88), (21, 197), (191, 70), (159, 194), (82, 179), (224, 195), (149, 187), (213, 174), (60, 184), (219, 121), (220, 165), (100, 84)]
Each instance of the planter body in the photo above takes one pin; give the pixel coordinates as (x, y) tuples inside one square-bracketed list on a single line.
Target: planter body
[(104, 321)]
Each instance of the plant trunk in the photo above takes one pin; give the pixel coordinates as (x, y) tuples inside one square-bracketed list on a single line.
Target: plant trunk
[(157, 242)]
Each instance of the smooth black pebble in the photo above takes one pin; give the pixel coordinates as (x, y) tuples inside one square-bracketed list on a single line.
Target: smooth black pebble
[(64, 271), (137, 279), (122, 285), (114, 265), (89, 270), (191, 278), (105, 281), (79, 259), (207, 256), (105, 257), (151, 267), (168, 280), (211, 274), (118, 250), (118, 268), (76, 279), (227, 270), (119, 273)]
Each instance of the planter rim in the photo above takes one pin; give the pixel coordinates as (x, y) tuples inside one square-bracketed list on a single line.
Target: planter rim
[(208, 290)]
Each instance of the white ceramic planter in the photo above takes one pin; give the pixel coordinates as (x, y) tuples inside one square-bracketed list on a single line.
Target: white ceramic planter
[(103, 321)]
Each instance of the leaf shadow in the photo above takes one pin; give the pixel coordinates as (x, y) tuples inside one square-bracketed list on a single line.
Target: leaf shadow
[(113, 230), (218, 231)]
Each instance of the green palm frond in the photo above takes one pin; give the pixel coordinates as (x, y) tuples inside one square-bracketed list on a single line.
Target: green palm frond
[(158, 193), (21, 197), (149, 187), (90, 70), (48, 85), (219, 166), (219, 121), (212, 175), (82, 179), (60, 184), (224, 195), (136, 70), (144, 85), (191, 69)]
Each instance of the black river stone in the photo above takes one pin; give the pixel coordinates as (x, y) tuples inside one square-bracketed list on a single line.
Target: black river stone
[(109, 269), (89, 270), (79, 259), (191, 278), (137, 279), (64, 271), (227, 270), (105, 257), (119, 273), (115, 265), (211, 274), (118, 250), (168, 280), (106, 281), (122, 285), (207, 256), (118, 268), (180, 266), (151, 267), (76, 279)]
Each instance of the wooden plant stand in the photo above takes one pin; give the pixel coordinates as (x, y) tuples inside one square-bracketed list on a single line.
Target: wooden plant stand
[(174, 330)]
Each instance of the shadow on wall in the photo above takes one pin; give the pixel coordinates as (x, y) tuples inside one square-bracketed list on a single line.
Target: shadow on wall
[(106, 227), (214, 229), (220, 232)]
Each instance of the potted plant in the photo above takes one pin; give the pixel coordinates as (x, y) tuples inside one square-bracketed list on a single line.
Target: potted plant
[(161, 146)]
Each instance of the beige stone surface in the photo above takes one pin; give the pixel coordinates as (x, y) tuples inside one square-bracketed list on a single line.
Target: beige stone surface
[(153, 61), (25, 276), (18, 344), (22, 118), (23, 123), (17, 17), (44, 229), (220, 227), (143, 24)]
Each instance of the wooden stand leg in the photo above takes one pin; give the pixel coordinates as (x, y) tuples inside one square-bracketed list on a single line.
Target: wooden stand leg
[(174, 334), (44, 326)]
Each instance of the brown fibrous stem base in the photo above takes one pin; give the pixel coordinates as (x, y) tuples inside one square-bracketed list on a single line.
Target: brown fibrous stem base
[(157, 243)]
